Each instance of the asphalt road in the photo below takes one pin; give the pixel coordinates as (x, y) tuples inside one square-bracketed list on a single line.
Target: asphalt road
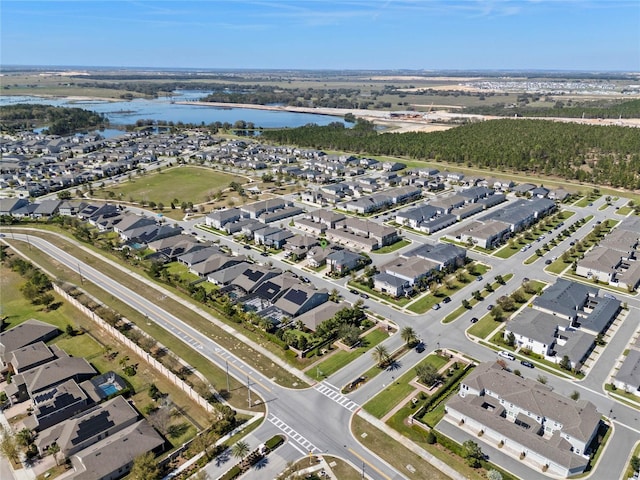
[(317, 419)]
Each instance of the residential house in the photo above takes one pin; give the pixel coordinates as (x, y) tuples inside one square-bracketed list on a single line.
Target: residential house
[(485, 234), (448, 256), (225, 276), (300, 299), (526, 417), (343, 261), (219, 218), (113, 457), (314, 317), (26, 333), (391, 284), (196, 256), (254, 210), (253, 276), (215, 262)]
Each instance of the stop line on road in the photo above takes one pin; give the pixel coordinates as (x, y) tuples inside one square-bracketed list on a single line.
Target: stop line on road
[(307, 446), (334, 394)]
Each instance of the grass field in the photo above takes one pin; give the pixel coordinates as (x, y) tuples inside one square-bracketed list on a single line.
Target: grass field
[(626, 210), (392, 248), (185, 184)]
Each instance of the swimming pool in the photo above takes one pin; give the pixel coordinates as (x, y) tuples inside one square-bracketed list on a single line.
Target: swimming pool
[(108, 388)]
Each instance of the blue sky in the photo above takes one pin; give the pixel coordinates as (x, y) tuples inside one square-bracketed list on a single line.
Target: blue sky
[(324, 34)]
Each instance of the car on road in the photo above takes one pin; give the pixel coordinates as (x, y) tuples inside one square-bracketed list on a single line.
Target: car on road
[(591, 204), (608, 295), (420, 347), (489, 307), (572, 243), (507, 355), (598, 222), (354, 291), (473, 320), (264, 254), (446, 300), (436, 306), (364, 295), (547, 261), (527, 363), (305, 279), (479, 278), (246, 247)]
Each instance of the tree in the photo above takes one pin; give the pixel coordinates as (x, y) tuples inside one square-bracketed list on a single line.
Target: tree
[(145, 467), (500, 279), (54, 449), (494, 475), (381, 355), (511, 339), (565, 363), (334, 296), (466, 304), (8, 445), (472, 453), (497, 313), (635, 463), (427, 374), (408, 335), (240, 450), (542, 379), (575, 395)]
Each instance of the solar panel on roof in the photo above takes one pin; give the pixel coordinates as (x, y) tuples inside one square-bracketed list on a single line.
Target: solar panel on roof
[(296, 296), (92, 426)]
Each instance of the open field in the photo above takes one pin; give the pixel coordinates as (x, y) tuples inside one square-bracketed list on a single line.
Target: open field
[(185, 184)]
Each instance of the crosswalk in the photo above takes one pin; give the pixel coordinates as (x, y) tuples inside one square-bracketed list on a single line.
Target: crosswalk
[(298, 442), (334, 394)]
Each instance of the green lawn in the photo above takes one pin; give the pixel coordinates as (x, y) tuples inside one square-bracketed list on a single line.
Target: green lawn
[(585, 201), (483, 327), (180, 269), (557, 266), (604, 206), (624, 210), (342, 357), (393, 247), (396, 391), (400, 302), (186, 184)]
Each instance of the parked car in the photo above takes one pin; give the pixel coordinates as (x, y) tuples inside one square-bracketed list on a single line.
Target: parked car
[(572, 243), (436, 306), (507, 355), (264, 254), (479, 278), (608, 295), (446, 300), (489, 307), (354, 291), (246, 247), (420, 347), (473, 320), (364, 295), (526, 363), (547, 261)]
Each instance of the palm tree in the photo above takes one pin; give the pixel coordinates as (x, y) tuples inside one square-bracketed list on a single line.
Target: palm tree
[(53, 450), (334, 296), (240, 450), (381, 355), (408, 334)]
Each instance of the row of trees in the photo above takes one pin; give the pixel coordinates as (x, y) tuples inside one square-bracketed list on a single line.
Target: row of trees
[(60, 120), (606, 155)]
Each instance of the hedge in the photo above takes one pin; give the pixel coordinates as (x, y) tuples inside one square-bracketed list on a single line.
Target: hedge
[(274, 442), (231, 474)]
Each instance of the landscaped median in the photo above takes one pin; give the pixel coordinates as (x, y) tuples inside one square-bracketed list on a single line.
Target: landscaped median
[(474, 301), (343, 356)]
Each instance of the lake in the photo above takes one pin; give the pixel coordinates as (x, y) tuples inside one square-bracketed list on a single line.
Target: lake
[(125, 112)]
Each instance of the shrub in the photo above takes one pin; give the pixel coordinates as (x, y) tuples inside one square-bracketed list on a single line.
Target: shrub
[(231, 474), (274, 442), (431, 438)]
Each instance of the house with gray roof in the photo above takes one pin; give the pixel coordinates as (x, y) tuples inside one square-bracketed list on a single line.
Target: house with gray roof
[(343, 261), (253, 275), (254, 210), (9, 205), (486, 234), (31, 356), (580, 304), (526, 417), (26, 333), (300, 299), (281, 214), (88, 427), (225, 276), (413, 217), (196, 256), (113, 456), (47, 209), (314, 317), (25, 385), (536, 331), (391, 284), (57, 404), (215, 262), (411, 270), (449, 256), (627, 377), (219, 218), (437, 223)]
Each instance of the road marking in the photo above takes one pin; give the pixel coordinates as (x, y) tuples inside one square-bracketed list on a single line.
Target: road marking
[(371, 465), (306, 446), (329, 391)]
